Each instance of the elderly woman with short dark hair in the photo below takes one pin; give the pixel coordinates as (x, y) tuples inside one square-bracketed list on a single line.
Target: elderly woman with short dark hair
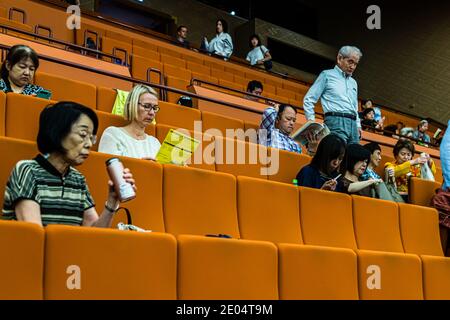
[(48, 189)]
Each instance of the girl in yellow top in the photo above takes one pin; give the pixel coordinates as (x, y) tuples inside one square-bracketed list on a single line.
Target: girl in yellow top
[(404, 166)]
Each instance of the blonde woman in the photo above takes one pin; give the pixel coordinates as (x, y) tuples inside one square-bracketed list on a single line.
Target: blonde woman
[(141, 108)]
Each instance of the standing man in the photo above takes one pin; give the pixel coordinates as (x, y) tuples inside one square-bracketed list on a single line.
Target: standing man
[(338, 93), (182, 37)]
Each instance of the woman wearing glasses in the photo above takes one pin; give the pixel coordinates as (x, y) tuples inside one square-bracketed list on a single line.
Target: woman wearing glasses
[(48, 189), (132, 140)]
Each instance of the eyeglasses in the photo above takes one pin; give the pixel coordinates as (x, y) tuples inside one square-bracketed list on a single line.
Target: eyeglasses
[(92, 138), (148, 107)]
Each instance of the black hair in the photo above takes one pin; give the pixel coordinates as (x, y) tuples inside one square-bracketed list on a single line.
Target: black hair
[(330, 148), (372, 147), (224, 25), (366, 112), (283, 107), (254, 84), (254, 36), (354, 153), (16, 54), (55, 123), (181, 27), (403, 143), (365, 101)]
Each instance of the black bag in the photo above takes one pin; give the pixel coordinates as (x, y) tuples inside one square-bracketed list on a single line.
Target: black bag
[(268, 63)]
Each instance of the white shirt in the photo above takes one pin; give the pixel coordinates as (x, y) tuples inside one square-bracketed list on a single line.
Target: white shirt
[(221, 44), (256, 54), (118, 142)]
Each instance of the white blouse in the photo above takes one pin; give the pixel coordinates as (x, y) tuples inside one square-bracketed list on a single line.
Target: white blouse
[(118, 142)]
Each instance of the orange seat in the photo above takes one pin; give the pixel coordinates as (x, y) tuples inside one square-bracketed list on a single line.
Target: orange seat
[(65, 89), (17, 25), (249, 125), (421, 191), (177, 72), (146, 45), (177, 62), (197, 160), (199, 202), (13, 150), (90, 31), (146, 53), (239, 72), (203, 77), (305, 273), (177, 116), (105, 264), (219, 74), (146, 208), (118, 36), (240, 158), (106, 98), (198, 68), (232, 85), (2, 12), (380, 169), (221, 123), (286, 93), (22, 254), (26, 111), (389, 276), (438, 176), (214, 64), (241, 81), (193, 58), (326, 218), (419, 228), (436, 277), (177, 84), (295, 87), (269, 88), (140, 66), (171, 52), (224, 269), (117, 48), (2, 113), (377, 225), (290, 163), (254, 76), (275, 219)]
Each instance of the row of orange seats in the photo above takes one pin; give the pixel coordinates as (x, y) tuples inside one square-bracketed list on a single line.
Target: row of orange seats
[(73, 263), (329, 245)]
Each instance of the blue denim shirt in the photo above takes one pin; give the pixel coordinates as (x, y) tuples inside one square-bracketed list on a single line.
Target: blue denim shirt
[(337, 92)]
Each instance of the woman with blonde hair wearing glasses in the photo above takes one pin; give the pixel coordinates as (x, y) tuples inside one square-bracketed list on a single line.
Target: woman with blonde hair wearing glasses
[(132, 141)]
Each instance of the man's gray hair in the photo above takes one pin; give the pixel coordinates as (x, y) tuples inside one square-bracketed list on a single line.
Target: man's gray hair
[(347, 51)]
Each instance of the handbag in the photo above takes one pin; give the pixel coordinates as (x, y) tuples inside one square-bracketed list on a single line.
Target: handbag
[(387, 191), (425, 172), (268, 63), (129, 226), (441, 201)]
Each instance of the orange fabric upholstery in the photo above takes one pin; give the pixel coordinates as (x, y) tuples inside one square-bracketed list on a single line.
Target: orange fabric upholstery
[(105, 99), (146, 45), (116, 48), (419, 228), (22, 254), (219, 74), (326, 218), (232, 85), (421, 191), (226, 269), (240, 158), (172, 52), (177, 72), (24, 110), (177, 116), (146, 53), (436, 277), (140, 65), (198, 68), (222, 123), (65, 89), (377, 225), (389, 276), (176, 62), (177, 84), (110, 264), (290, 163), (275, 218), (305, 273), (199, 202), (146, 208), (286, 93)]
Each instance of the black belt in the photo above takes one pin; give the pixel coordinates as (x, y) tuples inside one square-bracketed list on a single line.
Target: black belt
[(340, 114)]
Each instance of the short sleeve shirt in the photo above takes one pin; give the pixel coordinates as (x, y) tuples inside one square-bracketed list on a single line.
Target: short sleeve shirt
[(256, 54), (28, 90), (62, 199)]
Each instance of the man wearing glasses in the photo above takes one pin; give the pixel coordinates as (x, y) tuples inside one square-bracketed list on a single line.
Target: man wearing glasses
[(338, 93)]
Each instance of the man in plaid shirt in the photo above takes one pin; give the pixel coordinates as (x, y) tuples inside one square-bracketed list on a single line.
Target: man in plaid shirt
[(276, 126)]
